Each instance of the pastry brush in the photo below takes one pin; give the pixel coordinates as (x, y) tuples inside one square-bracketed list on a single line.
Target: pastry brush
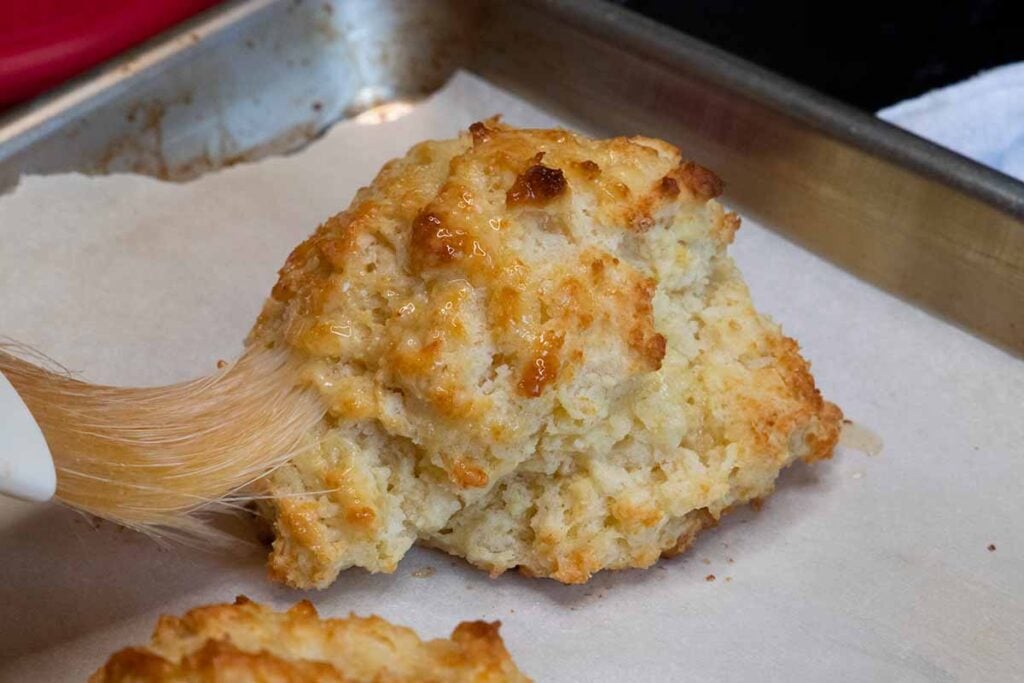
[(149, 458)]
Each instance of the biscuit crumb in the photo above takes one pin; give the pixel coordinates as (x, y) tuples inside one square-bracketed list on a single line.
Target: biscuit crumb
[(709, 577), (424, 572), (991, 547)]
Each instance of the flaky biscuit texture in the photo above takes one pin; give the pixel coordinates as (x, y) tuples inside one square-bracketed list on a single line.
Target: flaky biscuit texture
[(535, 354), (249, 643)]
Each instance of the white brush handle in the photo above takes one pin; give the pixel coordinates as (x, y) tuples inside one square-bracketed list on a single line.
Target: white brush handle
[(26, 468)]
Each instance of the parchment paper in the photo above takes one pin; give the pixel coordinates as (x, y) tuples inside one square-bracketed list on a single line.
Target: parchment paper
[(857, 569)]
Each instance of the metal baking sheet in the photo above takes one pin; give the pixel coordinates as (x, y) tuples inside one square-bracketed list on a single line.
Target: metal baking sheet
[(859, 568)]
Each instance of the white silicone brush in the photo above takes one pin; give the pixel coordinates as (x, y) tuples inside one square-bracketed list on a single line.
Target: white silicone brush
[(26, 468)]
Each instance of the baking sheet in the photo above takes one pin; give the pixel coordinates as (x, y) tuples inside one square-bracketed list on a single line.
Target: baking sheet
[(857, 569)]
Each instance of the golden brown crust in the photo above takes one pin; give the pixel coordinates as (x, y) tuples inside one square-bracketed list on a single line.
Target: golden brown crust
[(249, 642), (542, 367), (214, 661), (536, 186), (701, 182), (534, 352)]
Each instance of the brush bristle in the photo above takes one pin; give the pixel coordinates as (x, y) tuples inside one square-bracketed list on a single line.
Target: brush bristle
[(155, 458)]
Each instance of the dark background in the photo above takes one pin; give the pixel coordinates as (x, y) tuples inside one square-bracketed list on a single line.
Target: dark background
[(868, 54)]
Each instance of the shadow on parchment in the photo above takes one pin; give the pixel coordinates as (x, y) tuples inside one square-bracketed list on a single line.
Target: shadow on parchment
[(63, 575)]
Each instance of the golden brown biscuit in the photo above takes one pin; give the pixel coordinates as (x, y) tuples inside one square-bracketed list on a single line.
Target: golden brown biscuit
[(536, 353), (247, 642)]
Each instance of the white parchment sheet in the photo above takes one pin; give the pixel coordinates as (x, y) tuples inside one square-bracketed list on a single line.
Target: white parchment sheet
[(862, 568)]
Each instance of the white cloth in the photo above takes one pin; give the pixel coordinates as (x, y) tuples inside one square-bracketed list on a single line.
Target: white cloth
[(982, 118)]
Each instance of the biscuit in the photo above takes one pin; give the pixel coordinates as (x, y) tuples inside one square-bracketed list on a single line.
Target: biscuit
[(250, 642), (535, 353)]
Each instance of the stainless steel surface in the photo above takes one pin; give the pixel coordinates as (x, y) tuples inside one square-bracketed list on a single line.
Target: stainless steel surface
[(243, 80), (263, 76)]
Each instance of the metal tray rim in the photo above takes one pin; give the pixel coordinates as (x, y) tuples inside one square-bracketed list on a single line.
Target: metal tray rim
[(876, 136), (26, 123)]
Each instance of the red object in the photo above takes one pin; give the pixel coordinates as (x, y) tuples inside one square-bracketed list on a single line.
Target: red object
[(45, 42)]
